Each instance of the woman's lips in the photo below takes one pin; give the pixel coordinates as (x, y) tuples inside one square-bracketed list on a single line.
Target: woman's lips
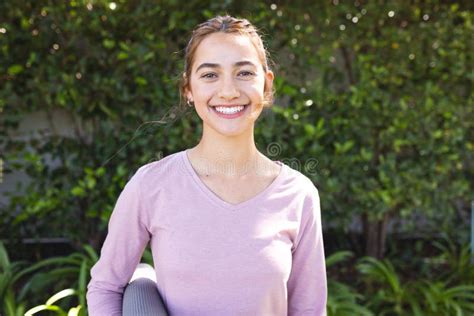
[(228, 116)]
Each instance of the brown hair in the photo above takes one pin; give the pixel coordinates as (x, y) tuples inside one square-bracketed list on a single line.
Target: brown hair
[(223, 24)]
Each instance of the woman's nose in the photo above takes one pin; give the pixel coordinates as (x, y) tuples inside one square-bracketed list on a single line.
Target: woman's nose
[(228, 89)]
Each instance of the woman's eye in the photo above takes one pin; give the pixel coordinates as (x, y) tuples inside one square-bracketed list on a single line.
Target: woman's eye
[(209, 75), (246, 73)]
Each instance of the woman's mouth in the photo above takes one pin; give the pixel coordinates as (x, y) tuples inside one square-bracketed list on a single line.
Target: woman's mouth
[(229, 112)]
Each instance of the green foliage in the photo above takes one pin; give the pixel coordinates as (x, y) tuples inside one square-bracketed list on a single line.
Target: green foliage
[(440, 295), (381, 278), (393, 81), (49, 305), (342, 299), (443, 287), (100, 68), (374, 103), (51, 273), (440, 299), (395, 87), (454, 263), (10, 272), (383, 291), (385, 106)]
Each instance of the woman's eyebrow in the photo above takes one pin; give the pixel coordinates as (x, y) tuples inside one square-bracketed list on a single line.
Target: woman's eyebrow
[(207, 65), (244, 63), (237, 64)]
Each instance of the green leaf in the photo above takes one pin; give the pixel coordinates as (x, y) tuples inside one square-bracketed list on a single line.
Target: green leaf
[(74, 311), (122, 56), (78, 191), (108, 43), (141, 81), (60, 295), (338, 257), (45, 307), (15, 69)]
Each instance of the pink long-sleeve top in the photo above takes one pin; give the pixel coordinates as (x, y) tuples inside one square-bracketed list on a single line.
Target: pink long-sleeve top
[(264, 256)]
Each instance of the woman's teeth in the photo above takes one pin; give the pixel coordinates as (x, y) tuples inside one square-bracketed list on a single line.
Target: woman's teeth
[(229, 110)]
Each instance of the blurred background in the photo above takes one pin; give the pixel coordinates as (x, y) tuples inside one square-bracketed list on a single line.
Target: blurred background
[(373, 102)]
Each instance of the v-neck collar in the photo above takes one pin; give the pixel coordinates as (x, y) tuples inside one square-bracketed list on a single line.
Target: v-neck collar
[(220, 202)]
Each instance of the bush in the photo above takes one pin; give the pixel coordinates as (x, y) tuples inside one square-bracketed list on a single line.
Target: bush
[(374, 103)]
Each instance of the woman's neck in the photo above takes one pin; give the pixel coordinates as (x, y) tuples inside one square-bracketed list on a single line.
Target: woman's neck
[(229, 156)]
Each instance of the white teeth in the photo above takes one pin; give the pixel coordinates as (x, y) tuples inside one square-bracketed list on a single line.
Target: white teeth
[(229, 110)]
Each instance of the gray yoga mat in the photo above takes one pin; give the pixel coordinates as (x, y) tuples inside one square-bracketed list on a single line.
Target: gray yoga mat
[(141, 298)]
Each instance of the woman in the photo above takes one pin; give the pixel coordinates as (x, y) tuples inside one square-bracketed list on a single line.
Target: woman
[(231, 231)]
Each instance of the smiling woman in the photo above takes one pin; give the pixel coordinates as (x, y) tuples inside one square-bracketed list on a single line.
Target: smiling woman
[(231, 231), (228, 93)]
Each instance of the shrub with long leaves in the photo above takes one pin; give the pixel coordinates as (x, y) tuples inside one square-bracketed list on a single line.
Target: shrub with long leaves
[(389, 296), (342, 299), (51, 306), (438, 298), (10, 272), (74, 269), (456, 261)]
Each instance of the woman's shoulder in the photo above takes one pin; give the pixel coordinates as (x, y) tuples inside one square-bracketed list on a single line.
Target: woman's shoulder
[(301, 188), (160, 170), (295, 178)]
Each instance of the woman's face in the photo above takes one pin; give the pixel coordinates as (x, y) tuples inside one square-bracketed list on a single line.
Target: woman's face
[(227, 83)]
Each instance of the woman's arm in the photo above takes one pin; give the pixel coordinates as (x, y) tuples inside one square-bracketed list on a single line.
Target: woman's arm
[(122, 250), (307, 285)]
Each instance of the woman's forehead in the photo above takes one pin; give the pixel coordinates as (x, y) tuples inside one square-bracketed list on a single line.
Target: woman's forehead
[(224, 48)]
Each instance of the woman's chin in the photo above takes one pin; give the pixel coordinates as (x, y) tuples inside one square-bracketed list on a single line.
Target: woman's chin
[(231, 131)]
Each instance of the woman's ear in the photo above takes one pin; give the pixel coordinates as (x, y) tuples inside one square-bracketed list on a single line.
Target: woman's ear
[(189, 98), (187, 91), (269, 81)]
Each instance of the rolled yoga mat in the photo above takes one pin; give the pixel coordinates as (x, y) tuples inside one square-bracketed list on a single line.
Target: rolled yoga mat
[(141, 296)]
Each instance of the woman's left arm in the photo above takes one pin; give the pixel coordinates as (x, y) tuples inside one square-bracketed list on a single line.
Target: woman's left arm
[(307, 285)]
